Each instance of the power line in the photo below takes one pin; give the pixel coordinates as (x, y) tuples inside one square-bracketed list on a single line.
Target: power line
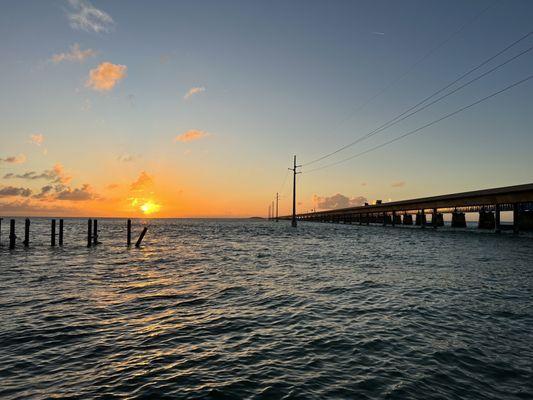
[(399, 118), (417, 62), (424, 126)]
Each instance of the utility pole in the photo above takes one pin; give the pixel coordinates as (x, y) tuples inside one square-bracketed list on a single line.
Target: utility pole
[(294, 173), (269, 214), (272, 209), (277, 201)]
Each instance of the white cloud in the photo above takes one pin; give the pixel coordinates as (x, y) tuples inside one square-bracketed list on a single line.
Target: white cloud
[(84, 16), (37, 139), (337, 201), (190, 135), (193, 91), (106, 76), (74, 54)]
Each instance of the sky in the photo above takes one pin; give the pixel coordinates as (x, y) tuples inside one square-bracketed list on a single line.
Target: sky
[(196, 108)]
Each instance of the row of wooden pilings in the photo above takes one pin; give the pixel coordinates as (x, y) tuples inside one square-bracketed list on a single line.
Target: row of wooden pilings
[(92, 233)]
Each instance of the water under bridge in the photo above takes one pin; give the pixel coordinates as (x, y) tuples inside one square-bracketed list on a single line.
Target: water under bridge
[(489, 203)]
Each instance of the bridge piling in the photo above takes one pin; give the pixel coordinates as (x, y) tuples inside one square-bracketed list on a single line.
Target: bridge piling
[(26, 241)]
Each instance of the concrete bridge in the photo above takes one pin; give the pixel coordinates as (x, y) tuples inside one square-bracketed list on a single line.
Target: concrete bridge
[(428, 211)]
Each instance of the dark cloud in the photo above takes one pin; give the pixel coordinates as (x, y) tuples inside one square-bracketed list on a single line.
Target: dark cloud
[(338, 201), (8, 191), (398, 184), (78, 194)]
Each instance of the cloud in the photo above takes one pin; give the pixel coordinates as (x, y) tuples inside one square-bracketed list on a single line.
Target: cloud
[(378, 33), (106, 76), (194, 90), (112, 186), (84, 16), (37, 139), (128, 157), (84, 193), (338, 201), (8, 191), (142, 182), (74, 54), (363, 183), (398, 184), (20, 159), (56, 175), (190, 135), (45, 190)]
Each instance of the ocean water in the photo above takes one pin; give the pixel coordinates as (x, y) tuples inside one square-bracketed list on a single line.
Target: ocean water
[(242, 309)]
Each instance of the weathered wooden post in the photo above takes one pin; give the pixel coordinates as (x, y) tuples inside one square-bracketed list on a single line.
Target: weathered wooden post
[(1, 231), (53, 234), (129, 233), (12, 235), (26, 233), (60, 232), (138, 244), (89, 232), (95, 232)]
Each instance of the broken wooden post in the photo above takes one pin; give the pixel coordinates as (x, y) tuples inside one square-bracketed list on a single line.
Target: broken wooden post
[(89, 232), (138, 244), (129, 233), (95, 232), (26, 233), (12, 235), (60, 232), (53, 234)]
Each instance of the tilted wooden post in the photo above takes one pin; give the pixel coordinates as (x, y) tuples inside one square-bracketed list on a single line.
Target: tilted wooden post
[(53, 234), (129, 232), (89, 232), (12, 235), (138, 244), (26, 233), (61, 232)]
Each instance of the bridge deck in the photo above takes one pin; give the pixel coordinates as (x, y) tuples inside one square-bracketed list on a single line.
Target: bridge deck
[(505, 197)]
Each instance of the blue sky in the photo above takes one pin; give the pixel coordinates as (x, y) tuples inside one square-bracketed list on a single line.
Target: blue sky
[(277, 78)]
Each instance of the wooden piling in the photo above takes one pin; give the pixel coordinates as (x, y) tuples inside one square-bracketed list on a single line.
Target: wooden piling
[(12, 235), (89, 232), (129, 233), (53, 234), (26, 233), (95, 232), (60, 232), (1, 231), (516, 218), (138, 244)]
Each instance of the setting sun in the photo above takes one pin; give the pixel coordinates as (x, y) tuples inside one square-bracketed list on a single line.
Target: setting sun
[(150, 207)]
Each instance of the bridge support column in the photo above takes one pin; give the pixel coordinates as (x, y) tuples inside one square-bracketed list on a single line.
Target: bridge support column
[(421, 219), (385, 217), (407, 219), (393, 218), (486, 220), (437, 219), (497, 225), (367, 219), (458, 220), (516, 218), (524, 219)]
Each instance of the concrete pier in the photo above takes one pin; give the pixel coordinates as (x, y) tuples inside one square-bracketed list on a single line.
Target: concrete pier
[(458, 220), (407, 219), (420, 219), (486, 220)]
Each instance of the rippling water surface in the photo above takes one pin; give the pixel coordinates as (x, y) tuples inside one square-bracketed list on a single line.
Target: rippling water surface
[(257, 310)]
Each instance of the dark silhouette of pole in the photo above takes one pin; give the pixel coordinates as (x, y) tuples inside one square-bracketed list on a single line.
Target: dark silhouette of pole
[(269, 212), (129, 232), (89, 232), (26, 233), (61, 232), (139, 241), (95, 232), (1, 231), (53, 234), (277, 207), (294, 173), (12, 235)]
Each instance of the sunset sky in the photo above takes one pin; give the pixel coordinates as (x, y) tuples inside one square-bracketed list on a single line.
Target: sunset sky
[(195, 108)]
